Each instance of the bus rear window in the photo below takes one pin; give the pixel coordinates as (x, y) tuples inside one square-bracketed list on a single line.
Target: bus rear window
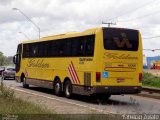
[(120, 39)]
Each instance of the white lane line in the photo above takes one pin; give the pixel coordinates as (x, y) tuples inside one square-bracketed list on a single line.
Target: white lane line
[(92, 108)]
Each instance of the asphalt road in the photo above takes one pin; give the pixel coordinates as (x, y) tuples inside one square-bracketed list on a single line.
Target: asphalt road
[(116, 104)]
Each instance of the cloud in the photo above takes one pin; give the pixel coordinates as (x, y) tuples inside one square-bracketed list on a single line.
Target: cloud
[(60, 16), (6, 2)]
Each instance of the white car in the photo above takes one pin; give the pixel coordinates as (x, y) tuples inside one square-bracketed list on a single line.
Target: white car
[(9, 72)]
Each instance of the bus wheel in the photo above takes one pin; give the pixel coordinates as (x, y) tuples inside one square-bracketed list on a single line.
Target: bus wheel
[(57, 87), (68, 89), (24, 83)]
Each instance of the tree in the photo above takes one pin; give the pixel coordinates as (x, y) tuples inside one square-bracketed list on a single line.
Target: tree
[(5, 60), (2, 59)]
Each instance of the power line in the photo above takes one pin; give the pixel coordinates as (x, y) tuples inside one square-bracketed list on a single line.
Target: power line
[(140, 17), (153, 50), (133, 10), (152, 37)]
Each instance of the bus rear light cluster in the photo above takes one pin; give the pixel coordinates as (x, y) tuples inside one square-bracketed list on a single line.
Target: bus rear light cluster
[(98, 76), (140, 77)]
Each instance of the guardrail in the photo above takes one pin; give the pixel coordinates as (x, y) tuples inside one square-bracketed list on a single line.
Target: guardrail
[(151, 90)]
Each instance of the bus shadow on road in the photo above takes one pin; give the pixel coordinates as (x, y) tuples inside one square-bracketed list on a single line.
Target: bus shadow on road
[(82, 98)]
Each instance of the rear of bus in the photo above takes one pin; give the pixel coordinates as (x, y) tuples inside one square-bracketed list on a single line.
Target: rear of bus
[(120, 69)]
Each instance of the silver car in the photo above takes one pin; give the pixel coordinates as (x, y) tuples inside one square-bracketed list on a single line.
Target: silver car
[(9, 72)]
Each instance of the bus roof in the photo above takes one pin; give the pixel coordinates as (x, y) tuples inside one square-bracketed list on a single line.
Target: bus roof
[(65, 35)]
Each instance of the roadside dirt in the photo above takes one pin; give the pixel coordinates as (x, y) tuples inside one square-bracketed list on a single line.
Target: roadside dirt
[(149, 95), (153, 72), (56, 106)]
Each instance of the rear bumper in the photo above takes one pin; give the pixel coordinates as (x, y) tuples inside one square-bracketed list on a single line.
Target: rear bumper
[(9, 76), (116, 90)]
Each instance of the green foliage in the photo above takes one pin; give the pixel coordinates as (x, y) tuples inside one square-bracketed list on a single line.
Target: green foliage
[(2, 59), (11, 105), (5, 60), (18, 106), (6, 92), (149, 80)]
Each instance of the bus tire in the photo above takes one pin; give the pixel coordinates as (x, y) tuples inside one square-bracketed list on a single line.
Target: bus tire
[(68, 89), (57, 87), (24, 83)]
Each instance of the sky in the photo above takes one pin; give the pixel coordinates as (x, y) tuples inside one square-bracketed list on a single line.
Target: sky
[(61, 16)]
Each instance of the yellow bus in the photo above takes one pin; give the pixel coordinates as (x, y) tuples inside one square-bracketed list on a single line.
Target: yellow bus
[(100, 61)]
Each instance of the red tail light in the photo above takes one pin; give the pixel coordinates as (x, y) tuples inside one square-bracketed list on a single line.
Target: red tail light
[(140, 77), (98, 76)]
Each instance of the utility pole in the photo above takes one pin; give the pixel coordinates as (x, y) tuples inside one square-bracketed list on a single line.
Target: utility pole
[(24, 35), (109, 23), (39, 30)]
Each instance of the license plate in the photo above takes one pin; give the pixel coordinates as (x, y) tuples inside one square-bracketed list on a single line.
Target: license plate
[(119, 80)]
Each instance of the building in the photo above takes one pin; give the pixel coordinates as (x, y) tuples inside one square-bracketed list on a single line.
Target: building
[(152, 62)]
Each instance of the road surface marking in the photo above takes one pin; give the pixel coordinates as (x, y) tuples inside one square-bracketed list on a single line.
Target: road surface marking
[(92, 108)]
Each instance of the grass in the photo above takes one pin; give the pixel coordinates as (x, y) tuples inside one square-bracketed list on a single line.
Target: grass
[(18, 106), (150, 80), (18, 109), (6, 92), (9, 104)]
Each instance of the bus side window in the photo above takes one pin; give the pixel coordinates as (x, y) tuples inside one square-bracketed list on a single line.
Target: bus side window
[(41, 49), (52, 50), (49, 49), (30, 50), (45, 49), (67, 47), (89, 48), (60, 47), (82, 46), (38, 49), (34, 50), (75, 47), (57, 48), (25, 50)]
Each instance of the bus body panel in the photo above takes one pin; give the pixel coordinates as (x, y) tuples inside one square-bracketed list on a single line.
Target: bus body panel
[(35, 68), (119, 70)]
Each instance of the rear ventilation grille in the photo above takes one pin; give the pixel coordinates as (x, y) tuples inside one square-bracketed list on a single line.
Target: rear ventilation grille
[(87, 78)]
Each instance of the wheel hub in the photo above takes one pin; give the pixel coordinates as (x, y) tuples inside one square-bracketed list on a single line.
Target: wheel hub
[(67, 90), (57, 87)]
